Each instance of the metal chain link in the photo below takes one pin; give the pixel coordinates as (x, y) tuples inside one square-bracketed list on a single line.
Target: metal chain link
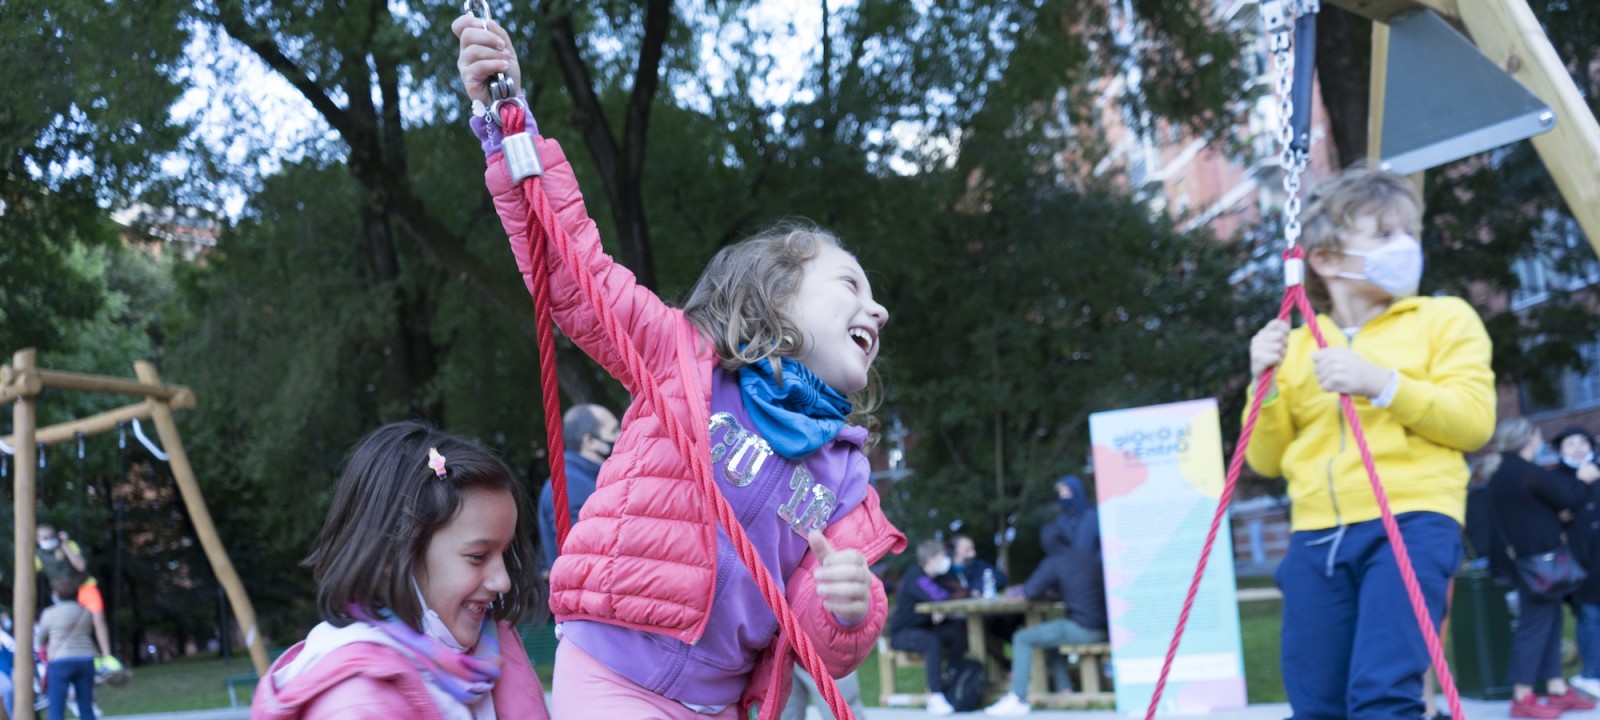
[(1279, 17)]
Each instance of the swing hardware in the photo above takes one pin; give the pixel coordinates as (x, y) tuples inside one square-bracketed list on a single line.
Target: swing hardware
[(1289, 26), (501, 89)]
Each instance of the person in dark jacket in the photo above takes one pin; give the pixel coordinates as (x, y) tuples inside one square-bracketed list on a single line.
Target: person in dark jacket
[(1527, 502), (1576, 459), (939, 639), (1071, 571), (590, 431)]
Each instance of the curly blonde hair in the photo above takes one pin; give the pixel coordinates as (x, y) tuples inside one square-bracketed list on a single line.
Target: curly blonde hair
[(1333, 206)]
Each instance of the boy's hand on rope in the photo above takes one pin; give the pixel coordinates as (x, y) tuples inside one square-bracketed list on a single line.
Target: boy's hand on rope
[(484, 52), (1341, 370), (843, 581), (1267, 348)]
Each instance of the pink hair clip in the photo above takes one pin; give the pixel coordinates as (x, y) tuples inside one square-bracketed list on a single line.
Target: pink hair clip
[(436, 461)]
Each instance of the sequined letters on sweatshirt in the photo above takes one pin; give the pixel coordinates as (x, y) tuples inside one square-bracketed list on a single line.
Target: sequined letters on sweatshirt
[(741, 454)]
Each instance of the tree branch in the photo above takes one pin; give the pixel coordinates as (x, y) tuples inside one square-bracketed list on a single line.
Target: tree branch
[(266, 48)]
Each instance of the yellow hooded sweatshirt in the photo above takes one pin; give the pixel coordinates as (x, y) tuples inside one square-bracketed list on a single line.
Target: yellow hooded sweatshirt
[(1444, 406)]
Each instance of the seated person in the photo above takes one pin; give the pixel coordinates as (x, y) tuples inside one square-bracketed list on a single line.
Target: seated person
[(1070, 572), (938, 639), (968, 567)]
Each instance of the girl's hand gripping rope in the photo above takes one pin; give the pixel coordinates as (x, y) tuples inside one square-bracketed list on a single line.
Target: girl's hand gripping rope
[(843, 581)]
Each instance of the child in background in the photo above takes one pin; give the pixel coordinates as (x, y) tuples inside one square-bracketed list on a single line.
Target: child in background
[(1418, 370), (658, 616), (423, 567), (937, 638), (66, 632)]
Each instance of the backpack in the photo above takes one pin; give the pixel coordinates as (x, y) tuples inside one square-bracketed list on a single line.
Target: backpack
[(965, 683)]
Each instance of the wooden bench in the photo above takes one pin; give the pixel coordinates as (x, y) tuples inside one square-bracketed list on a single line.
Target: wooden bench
[(890, 660), (1090, 658)]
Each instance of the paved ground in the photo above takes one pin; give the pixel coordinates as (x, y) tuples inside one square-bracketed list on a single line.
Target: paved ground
[(1277, 711)]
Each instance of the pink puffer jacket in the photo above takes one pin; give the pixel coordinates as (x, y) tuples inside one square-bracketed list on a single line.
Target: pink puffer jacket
[(643, 554)]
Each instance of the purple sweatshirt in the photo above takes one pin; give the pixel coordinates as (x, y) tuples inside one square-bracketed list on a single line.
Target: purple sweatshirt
[(778, 501)]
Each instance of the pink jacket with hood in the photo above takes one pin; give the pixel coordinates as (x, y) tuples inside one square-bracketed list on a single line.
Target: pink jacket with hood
[(370, 681), (643, 555)]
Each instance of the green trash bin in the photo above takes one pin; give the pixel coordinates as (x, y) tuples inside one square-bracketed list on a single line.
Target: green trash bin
[(1480, 634)]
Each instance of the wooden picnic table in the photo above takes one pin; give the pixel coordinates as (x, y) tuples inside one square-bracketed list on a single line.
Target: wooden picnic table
[(1033, 612)]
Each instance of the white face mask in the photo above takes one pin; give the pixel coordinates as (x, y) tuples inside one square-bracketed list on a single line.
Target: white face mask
[(432, 625), (940, 566), (1396, 267), (49, 545)]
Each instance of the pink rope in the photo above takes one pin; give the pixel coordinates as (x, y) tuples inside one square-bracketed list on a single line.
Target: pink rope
[(541, 219), (1295, 298)]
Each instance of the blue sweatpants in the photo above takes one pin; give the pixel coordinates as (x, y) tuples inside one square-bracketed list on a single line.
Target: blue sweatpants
[(1351, 645)]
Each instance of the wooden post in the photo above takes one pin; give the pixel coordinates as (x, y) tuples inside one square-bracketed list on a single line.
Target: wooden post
[(1378, 86), (183, 473), (24, 413)]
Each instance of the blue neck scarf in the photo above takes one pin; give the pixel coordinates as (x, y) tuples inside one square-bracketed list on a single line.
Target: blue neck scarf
[(796, 417)]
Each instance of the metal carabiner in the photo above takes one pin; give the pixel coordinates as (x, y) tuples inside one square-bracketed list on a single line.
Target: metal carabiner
[(501, 87)]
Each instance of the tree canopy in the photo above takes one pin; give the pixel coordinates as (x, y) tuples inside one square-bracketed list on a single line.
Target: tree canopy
[(362, 276)]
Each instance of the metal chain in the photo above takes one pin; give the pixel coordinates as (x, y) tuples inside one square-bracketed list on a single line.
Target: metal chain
[(1279, 17)]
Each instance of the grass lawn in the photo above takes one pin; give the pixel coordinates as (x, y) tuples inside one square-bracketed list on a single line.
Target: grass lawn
[(187, 684)]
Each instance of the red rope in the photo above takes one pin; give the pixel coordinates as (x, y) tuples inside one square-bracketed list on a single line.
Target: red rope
[(516, 122), (1294, 298), (544, 228)]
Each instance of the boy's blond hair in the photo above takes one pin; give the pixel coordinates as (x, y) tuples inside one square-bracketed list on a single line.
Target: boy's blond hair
[(1333, 206)]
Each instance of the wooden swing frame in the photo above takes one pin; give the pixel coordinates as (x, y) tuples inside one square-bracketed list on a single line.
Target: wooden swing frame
[(20, 384), (1508, 33)]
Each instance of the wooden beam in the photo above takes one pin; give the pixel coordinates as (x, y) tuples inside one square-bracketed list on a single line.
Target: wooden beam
[(189, 488), (1382, 10), (101, 383), (94, 424), (1376, 89), (23, 416), (18, 383), (1508, 32)]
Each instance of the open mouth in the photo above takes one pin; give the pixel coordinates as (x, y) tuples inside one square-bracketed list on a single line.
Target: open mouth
[(863, 339)]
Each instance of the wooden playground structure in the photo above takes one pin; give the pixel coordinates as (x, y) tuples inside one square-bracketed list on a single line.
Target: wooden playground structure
[(1508, 33), (21, 382)]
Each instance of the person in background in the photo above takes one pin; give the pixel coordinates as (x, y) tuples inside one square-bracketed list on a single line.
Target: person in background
[(1527, 504), (1071, 571), (66, 631), (590, 432), (1575, 449), (56, 555), (969, 568), (937, 638)]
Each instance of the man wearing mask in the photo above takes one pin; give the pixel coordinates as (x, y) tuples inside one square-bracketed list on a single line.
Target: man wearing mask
[(1071, 571), (590, 431), (969, 568), (57, 556)]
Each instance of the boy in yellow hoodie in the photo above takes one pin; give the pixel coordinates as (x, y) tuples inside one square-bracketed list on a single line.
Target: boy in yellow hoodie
[(1418, 370)]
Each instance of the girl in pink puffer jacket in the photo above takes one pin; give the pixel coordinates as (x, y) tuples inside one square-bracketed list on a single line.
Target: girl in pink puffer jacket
[(422, 570), (658, 616)]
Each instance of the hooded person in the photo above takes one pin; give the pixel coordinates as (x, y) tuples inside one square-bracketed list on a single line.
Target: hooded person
[(1071, 571)]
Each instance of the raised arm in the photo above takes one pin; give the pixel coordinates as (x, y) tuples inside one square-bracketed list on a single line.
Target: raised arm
[(644, 318)]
